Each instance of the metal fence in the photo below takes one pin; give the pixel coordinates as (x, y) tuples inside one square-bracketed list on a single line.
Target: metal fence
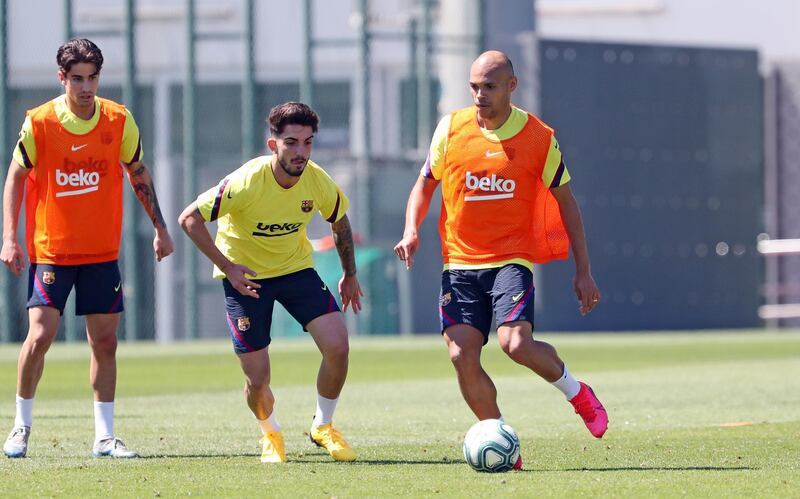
[(665, 146)]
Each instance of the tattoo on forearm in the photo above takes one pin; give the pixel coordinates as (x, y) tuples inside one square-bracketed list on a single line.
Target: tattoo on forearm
[(143, 187), (343, 238)]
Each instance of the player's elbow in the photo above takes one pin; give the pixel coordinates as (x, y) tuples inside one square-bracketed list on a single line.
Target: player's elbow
[(183, 221), (188, 219)]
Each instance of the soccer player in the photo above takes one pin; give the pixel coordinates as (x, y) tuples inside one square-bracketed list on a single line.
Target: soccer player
[(70, 160), (263, 209), (506, 204)]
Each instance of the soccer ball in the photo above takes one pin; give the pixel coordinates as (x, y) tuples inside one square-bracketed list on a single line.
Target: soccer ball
[(491, 446)]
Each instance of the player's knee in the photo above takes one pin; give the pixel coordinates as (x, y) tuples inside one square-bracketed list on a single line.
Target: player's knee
[(258, 384), (517, 348), (337, 351), (462, 358), (105, 345), (39, 340)]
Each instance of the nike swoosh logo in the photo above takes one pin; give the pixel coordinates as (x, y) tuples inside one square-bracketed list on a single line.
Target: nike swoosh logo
[(229, 195), (490, 154), (78, 148), (324, 287), (116, 288), (517, 297)]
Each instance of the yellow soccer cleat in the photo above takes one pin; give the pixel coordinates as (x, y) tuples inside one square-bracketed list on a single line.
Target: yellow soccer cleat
[(327, 437), (272, 450)]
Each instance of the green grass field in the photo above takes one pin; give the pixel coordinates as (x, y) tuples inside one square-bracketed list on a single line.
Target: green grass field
[(670, 397)]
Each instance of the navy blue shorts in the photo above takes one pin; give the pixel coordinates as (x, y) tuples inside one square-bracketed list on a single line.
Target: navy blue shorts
[(302, 294), (470, 297), (98, 287)]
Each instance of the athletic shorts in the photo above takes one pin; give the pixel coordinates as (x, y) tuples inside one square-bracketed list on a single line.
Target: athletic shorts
[(470, 297), (302, 294), (98, 287)]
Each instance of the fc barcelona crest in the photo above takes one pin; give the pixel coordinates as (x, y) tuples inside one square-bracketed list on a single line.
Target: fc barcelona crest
[(445, 300), (48, 277), (106, 138), (307, 205), (243, 323)]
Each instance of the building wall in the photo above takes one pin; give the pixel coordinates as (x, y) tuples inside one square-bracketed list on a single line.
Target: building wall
[(769, 26)]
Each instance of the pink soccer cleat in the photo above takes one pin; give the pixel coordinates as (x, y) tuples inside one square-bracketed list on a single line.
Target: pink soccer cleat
[(590, 409), (518, 464)]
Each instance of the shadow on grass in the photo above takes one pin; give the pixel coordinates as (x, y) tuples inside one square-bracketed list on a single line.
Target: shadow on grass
[(663, 468), (87, 415), (198, 456), (309, 459), (378, 462)]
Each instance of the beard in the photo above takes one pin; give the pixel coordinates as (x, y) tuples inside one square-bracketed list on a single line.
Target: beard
[(291, 170)]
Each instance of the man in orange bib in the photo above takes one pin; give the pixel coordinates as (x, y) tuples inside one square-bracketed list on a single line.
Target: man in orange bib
[(70, 161), (506, 204)]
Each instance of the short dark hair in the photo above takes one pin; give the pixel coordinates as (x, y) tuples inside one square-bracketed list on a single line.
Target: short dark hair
[(76, 51), (291, 113)]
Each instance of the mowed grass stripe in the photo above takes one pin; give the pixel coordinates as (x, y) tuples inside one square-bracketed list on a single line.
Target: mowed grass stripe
[(207, 367)]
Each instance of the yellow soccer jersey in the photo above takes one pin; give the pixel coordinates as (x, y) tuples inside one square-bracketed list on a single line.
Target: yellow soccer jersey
[(25, 150), (262, 225)]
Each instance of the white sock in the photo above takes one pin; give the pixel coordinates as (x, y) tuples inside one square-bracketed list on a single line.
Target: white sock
[(568, 385), (270, 424), (325, 408), (103, 420), (24, 412)]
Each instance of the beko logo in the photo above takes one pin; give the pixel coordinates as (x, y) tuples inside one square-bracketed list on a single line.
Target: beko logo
[(87, 180), (266, 229), (505, 186)]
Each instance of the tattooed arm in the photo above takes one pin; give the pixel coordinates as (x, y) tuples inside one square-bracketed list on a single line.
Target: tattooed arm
[(349, 288), (142, 183), (343, 238)]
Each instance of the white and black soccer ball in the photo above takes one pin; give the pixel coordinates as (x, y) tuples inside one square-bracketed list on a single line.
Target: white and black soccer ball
[(491, 446)]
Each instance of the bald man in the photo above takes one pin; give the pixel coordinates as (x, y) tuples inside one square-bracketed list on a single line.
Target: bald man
[(506, 205)]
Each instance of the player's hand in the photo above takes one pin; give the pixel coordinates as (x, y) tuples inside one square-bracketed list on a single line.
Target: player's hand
[(406, 248), (350, 292), (11, 255), (586, 291), (236, 276), (162, 244)]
